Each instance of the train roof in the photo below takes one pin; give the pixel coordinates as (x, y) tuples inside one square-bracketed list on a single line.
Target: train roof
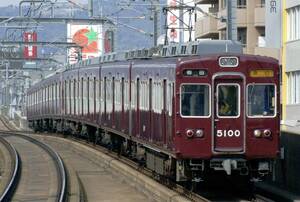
[(173, 50)]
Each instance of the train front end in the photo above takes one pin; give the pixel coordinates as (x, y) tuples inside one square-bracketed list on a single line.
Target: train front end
[(227, 116)]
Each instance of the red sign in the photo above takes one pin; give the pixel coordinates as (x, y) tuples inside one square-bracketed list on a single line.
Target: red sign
[(108, 41), (30, 52)]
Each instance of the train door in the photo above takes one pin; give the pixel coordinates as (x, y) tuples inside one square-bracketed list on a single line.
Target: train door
[(229, 115)]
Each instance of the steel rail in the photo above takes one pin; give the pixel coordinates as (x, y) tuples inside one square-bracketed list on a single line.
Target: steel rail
[(259, 197), (61, 170), (62, 196), (12, 184)]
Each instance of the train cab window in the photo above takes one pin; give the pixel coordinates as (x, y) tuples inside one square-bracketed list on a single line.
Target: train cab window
[(261, 100), (228, 100), (195, 100)]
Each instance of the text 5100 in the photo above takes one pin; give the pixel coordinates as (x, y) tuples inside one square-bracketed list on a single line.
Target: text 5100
[(228, 133)]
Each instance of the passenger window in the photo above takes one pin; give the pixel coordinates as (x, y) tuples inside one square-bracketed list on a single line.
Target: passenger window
[(195, 100)]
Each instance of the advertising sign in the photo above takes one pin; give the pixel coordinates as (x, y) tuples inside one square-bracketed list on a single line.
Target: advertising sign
[(89, 37), (30, 52)]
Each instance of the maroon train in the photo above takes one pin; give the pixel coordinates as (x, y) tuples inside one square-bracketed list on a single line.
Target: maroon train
[(185, 113)]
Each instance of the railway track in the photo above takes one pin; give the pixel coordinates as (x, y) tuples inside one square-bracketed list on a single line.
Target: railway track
[(177, 188), (38, 161), (14, 170), (192, 196)]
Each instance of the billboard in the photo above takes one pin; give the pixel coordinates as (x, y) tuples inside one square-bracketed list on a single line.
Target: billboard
[(30, 52), (89, 37)]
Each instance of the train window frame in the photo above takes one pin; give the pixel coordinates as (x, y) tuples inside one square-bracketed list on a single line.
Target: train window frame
[(239, 100), (275, 105), (209, 103)]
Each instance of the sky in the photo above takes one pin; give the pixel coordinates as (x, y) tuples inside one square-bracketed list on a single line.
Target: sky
[(10, 2), (16, 2)]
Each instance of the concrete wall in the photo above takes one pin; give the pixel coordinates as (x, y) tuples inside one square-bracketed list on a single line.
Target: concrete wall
[(290, 112), (292, 56)]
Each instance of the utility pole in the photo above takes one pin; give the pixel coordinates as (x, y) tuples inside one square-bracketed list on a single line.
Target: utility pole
[(181, 20), (155, 10), (231, 32), (90, 8)]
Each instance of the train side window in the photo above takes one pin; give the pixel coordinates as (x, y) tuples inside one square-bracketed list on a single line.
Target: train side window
[(157, 99), (118, 94), (71, 96), (97, 94), (122, 91), (55, 98), (126, 94), (150, 95), (113, 96), (75, 96), (91, 95), (66, 97), (84, 92), (108, 95), (105, 94), (137, 93), (195, 100), (170, 98), (133, 90), (261, 100), (228, 100), (102, 95)]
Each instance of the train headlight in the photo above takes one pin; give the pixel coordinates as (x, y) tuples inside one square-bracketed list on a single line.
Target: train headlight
[(267, 133), (189, 133), (199, 133), (257, 133)]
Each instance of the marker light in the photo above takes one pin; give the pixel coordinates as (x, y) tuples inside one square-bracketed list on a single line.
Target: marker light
[(257, 133), (199, 133), (189, 133), (267, 133)]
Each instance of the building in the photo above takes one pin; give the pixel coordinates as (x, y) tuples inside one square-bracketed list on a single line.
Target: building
[(251, 19), (291, 62)]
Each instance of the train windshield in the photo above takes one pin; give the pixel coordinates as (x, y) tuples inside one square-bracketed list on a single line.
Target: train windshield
[(195, 100), (261, 100), (228, 100)]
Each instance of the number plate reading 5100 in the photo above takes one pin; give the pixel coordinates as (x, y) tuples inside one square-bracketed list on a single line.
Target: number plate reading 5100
[(228, 133)]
